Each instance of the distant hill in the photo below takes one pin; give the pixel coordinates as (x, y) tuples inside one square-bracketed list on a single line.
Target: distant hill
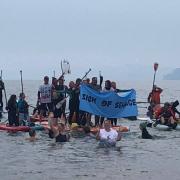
[(174, 75)]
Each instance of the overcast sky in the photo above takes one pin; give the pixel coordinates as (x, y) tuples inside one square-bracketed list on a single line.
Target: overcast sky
[(114, 36)]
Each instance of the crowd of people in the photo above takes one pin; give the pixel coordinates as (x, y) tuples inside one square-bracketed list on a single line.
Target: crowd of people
[(52, 101), (53, 98)]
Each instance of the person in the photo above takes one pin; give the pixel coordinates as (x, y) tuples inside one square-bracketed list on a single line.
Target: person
[(108, 136), (63, 92), (77, 101), (1, 96), (113, 85), (12, 111), (58, 132), (154, 95), (71, 100), (107, 88), (32, 135), (57, 129), (154, 100), (145, 133), (56, 98), (167, 116), (44, 97), (98, 88), (23, 110), (88, 81)]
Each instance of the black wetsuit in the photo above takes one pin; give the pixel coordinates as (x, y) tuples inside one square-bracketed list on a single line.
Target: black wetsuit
[(56, 100), (145, 134), (12, 114), (1, 97), (61, 138), (74, 105)]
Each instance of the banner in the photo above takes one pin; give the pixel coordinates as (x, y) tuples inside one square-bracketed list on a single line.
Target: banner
[(108, 104)]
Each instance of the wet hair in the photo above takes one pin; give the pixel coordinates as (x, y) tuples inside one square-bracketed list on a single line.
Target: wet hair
[(54, 79), (94, 79), (108, 84), (78, 81), (86, 129), (21, 95), (32, 132), (46, 78), (88, 80), (12, 99)]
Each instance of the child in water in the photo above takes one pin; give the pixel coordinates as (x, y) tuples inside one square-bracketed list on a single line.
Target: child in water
[(32, 135)]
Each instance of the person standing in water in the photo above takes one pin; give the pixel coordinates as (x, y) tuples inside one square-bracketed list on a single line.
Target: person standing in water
[(108, 136), (107, 88), (23, 110), (154, 100), (98, 88), (32, 136), (154, 95), (12, 111), (1, 96), (57, 131), (71, 101), (44, 97)]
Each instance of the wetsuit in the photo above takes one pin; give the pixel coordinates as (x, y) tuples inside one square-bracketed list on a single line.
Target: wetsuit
[(63, 91), (74, 105), (61, 138), (56, 98), (12, 114), (145, 134), (1, 96)]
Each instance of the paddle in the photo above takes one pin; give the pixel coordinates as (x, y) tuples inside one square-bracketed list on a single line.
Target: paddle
[(22, 90), (4, 90), (65, 68), (155, 70), (86, 74), (101, 78)]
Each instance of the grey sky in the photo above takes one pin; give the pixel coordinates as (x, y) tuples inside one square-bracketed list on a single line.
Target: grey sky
[(113, 36)]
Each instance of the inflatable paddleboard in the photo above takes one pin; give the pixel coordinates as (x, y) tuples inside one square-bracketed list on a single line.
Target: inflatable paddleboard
[(5, 127)]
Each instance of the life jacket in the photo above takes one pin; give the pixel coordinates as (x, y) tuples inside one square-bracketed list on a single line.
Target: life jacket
[(155, 97), (157, 111), (167, 113)]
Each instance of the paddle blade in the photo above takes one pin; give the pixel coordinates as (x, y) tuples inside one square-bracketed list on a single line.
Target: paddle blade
[(156, 66), (65, 66)]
